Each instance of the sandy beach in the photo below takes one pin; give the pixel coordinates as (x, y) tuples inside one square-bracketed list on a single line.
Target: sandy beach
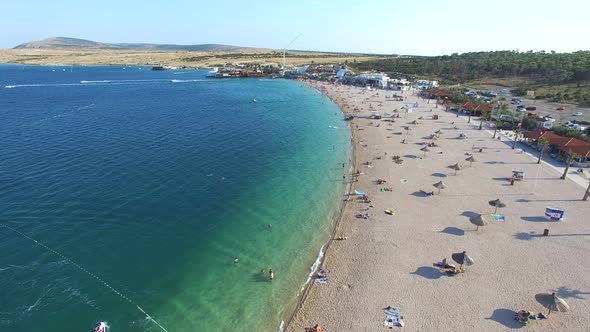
[(387, 260)]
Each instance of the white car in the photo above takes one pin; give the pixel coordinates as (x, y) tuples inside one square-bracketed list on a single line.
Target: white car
[(578, 114)]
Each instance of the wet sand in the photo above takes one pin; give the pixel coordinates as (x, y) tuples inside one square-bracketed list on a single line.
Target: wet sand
[(388, 260)]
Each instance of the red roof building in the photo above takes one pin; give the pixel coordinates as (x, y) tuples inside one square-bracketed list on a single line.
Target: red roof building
[(437, 93), (561, 143), (476, 107)]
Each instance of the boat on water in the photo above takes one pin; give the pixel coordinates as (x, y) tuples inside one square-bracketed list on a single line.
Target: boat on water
[(100, 327), (213, 72), (216, 72), (163, 68)]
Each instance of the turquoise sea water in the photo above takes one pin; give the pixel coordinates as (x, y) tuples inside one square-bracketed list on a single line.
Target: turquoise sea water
[(153, 182)]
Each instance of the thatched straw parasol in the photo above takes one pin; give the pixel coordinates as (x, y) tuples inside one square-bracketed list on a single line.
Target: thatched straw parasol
[(462, 258), (497, 203), (478, 221), (552, 302), (425, 149), (439, 185), (456, 167)]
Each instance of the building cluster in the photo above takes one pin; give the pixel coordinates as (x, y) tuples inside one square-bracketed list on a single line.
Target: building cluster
[(560, 146), (323, 72)]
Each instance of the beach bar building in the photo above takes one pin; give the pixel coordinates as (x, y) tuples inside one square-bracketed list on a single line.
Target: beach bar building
[(377, 80), (561, 146)]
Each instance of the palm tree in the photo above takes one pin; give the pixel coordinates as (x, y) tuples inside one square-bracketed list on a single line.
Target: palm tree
[(484, 116), (585, 198), (544, 143), (496, 125), (515, 139), (469, 119), (571, 156)]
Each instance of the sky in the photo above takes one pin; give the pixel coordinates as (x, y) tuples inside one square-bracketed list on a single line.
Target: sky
[(426, 27)]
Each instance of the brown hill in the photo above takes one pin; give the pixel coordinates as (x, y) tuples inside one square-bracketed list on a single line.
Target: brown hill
[(74, 43)]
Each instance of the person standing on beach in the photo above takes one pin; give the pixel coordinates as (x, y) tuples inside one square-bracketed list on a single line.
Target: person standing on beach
[(271, 274)]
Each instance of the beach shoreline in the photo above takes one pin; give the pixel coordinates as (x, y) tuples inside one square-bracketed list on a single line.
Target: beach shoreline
[(361, 282), (337, 218)]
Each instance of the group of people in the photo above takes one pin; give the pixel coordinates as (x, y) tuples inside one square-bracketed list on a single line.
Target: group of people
[(271, 274), (448, 268), (99, 327)]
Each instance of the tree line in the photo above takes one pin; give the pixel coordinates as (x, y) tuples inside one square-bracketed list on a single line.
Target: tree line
[(541, 67)]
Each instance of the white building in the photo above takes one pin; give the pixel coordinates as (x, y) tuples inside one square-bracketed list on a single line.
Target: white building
[(425, 84), (379, 79)]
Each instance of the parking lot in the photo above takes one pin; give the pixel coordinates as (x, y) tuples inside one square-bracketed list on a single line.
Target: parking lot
[(561, 112)]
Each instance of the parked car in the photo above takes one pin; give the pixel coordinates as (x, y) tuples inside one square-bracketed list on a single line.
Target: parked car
[(578, 114), (507, 126), (531, 108)]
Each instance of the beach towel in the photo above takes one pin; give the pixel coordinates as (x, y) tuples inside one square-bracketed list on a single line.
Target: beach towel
[(322, 280), (392, 321), (357, 192), (498, 217), (403, 181), (391, 311)]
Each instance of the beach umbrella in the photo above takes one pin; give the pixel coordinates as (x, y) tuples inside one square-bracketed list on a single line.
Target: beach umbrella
[(407, 128), (414, 122), (462, 258), (497, 203), (425, 149), (438, 132), (552, 302), (456, 167), (478, 220), (470, 159), (439, 185)]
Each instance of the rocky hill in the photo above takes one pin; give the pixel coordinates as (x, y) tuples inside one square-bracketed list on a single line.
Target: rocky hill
[(74, 43)]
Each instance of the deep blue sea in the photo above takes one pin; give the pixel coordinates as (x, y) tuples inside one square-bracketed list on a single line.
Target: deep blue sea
[(142, 186)]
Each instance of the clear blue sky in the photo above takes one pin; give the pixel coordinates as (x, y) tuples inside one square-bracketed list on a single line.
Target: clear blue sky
[(427, 27)]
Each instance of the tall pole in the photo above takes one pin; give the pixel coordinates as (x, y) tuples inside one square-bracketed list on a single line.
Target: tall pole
[(515, 139), (285, 50), (585, 198)]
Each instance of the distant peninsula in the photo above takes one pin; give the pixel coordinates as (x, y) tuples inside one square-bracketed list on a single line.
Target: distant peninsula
[(82, 52), (75, 43)]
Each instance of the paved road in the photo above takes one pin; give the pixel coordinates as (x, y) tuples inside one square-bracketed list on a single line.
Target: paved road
[(558, 166)]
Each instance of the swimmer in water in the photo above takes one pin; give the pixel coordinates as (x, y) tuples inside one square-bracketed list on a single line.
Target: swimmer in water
[(271, 274), (236, 260)]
